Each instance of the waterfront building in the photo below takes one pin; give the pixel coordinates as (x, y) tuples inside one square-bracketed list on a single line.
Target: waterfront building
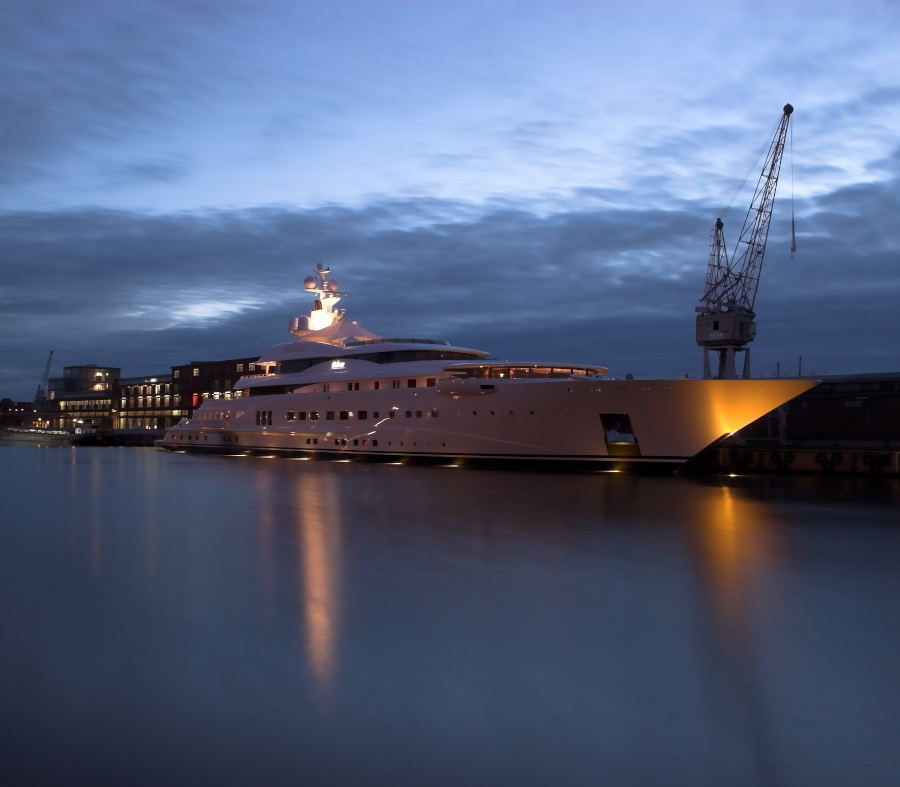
[(146, 403), (80, 399), (197, 381)]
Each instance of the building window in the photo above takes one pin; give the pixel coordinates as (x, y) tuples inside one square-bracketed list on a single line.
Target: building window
[(176, 374), (196, 371), (216, 385), (240, 367)]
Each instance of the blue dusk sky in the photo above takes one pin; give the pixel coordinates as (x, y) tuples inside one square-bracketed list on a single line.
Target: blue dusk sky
[(537, 179)]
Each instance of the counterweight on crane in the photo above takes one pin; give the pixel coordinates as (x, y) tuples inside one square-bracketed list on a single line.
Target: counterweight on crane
[(726, 320)]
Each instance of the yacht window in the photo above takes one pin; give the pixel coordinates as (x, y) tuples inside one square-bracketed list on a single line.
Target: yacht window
[(374, 443), (430, 382), (355, 386), (362, 415), (325, 388), (409, 413), (344, 415), (350, 386), (317, 306), (410, 383), (377, 384), (365, 442), (356, 442), (329, 415), (434, 413), (393, 413), (418, 413), (313, 416), (395, 383), (307, 441), (375, 414), (291, 415), (301, 416)]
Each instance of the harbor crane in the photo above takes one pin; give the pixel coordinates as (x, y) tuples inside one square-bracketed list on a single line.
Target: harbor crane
[(44, 384), (726, 320)]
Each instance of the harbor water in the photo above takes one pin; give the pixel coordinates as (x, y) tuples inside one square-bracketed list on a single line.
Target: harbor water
[(176, 619)]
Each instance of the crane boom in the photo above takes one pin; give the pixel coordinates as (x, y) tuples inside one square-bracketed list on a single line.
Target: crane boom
[(41, 394), (726, 320)]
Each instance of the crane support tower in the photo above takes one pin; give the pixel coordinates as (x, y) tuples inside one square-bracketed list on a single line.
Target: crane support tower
[(726, 320)]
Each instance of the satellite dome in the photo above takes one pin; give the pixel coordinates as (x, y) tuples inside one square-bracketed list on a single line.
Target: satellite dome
[(332, 286), (309, 282)]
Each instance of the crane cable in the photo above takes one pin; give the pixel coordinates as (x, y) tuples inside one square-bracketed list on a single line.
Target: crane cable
[(793, 234)]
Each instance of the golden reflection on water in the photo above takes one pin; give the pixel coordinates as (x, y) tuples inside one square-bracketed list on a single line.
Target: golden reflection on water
[(736, 546), (316, 508)]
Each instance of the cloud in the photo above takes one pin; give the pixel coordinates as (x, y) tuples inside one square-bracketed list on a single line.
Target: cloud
[(601, 285)]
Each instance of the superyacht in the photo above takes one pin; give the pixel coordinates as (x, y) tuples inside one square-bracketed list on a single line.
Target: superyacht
[(338, 390)]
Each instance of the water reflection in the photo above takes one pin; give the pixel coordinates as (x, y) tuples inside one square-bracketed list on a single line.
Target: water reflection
[(558, 629), (733, 549), (317, 512)]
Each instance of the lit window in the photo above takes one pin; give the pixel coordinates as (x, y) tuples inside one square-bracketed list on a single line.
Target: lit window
[(196, 371), (240, 367)]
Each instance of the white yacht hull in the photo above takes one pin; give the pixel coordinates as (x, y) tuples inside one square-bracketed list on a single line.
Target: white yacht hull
[(550, 420)]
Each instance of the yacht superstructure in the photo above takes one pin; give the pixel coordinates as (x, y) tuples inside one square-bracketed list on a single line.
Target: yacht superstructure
[(337, 389)]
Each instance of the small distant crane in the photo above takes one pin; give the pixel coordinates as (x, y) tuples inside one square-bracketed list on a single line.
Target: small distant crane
[(41, 395), (726, 320)]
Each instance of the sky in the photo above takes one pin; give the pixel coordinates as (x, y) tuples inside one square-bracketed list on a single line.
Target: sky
[(537, 179)]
